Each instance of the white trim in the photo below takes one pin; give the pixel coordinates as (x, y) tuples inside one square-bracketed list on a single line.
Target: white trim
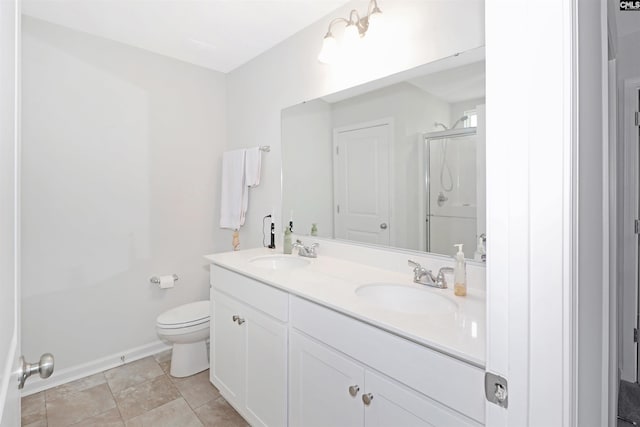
[(35, 385), (612, 119), (7, 374)]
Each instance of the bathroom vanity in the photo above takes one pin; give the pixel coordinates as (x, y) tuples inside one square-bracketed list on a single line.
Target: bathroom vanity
[(337, 340)]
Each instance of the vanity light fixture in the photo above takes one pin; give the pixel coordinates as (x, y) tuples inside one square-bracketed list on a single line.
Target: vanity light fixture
[(356, 28)]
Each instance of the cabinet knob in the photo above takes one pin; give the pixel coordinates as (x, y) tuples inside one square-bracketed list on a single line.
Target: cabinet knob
[(367, 398), (235, 318), (353, 390), (240, 320)]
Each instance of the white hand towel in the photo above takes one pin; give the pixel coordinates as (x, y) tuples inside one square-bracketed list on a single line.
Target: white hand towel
[(252, 163), (234, 189)]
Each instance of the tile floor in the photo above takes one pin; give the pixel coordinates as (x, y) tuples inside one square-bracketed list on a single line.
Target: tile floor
[(629, 403), (140, 393)]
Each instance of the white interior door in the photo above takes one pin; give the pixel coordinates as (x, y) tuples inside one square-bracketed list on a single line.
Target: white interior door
[(361, 182), (9, 225), (630, 253)]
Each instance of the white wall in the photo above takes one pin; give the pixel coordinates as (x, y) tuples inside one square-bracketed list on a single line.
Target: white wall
[(458, 109), (120, 177), (592, 185), (416, 32), (307, 167)]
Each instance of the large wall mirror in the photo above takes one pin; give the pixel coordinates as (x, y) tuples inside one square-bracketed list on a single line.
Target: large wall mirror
[(398, 162)]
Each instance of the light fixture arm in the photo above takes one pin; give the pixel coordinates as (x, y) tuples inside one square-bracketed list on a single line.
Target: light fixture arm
[(332, 23), (361, 23)]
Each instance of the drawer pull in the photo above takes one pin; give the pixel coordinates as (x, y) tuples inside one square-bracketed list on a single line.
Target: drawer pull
[(353, 390), (367, 398)]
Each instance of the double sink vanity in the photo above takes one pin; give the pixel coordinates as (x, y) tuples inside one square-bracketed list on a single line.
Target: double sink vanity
[(345, 339)]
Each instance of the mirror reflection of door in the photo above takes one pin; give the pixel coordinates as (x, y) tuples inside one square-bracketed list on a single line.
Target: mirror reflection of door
[(361, 182)]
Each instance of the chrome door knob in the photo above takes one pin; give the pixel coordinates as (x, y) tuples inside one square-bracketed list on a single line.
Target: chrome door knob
[(383, 225), (367, 398), (353, 390), (44, 367)]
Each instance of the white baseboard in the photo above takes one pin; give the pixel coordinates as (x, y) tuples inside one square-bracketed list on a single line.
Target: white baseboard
[(37, 384)]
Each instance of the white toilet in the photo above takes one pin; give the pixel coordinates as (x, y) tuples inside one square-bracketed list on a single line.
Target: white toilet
[(187, 328)]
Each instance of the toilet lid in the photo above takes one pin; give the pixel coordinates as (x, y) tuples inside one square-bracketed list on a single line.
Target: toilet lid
[(185, 315)]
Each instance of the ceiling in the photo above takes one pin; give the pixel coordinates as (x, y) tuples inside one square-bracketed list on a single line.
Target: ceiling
[(216, 34), (455, 85)]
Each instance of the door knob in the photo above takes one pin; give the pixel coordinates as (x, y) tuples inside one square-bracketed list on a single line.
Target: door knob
[(383, 225), (367, 398), (44, 367), (353, 390)]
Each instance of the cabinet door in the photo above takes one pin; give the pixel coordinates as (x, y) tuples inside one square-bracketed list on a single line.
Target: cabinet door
[(320, 378), (227, 348), (394, 405), (266, 370)]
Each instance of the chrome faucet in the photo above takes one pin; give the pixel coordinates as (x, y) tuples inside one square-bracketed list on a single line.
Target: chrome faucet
[(306, 251), (424, 277)]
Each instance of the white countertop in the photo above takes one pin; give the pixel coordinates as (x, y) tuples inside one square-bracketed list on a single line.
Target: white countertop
[(332, 282)]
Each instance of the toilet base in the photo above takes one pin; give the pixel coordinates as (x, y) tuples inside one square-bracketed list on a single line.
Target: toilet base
[(189, 359)]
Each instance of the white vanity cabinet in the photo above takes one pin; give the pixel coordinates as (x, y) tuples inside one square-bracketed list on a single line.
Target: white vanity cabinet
[(341, 371), (249, 346)]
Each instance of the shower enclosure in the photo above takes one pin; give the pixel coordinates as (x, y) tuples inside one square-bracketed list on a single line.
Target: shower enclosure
[(452, 186)]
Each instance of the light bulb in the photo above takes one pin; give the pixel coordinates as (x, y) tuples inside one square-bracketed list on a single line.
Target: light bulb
[(329, 50), (351, 37), (376, 23)]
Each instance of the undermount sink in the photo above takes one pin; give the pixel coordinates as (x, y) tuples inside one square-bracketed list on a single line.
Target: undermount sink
[(406, 299), (278, 262)]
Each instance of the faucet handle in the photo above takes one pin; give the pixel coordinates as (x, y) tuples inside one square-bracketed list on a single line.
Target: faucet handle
[(441, 280), (413, 264)]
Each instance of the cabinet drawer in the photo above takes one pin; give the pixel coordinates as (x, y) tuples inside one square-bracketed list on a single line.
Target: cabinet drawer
[(456, 384), (265, 298)]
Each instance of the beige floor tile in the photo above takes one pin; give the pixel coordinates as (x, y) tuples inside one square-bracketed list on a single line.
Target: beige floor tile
[(218, 413), (173, 414), (165, 366), (197, 389), (165, 356), (140, 398), (33, 409), (41, 423), (75, 386), (132, 373), (74, 407), (111, 418)]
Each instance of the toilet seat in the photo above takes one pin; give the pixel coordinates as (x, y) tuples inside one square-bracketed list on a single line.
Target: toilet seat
[(185, 316)]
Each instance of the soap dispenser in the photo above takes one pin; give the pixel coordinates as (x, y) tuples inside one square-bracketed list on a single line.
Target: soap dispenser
[(481, 253), (460, 273), (287, 246)]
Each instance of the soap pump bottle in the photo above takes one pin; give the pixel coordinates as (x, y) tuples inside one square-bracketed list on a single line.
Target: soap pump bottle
[(287, 246), (460, 273), (480, 254)]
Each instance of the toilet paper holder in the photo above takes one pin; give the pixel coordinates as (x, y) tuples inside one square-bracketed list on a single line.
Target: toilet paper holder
[(156, 280)]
